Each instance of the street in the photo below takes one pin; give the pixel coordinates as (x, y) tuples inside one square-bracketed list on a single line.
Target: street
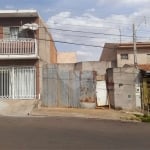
[(64, 133)]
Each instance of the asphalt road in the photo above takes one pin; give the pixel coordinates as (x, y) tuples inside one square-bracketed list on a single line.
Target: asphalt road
[(58, 133)]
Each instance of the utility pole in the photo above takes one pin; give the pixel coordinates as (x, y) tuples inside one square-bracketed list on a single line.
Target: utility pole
[(120, 35), (134, 46)]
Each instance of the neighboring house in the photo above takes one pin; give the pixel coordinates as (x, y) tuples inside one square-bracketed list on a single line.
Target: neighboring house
[(123, 54), (25, 46), (98, 67), (123, 90), (66, 57)]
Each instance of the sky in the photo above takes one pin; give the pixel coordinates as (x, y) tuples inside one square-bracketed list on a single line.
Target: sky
[(84, 26)]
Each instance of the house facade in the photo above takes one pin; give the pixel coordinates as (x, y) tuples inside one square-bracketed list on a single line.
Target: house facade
[(25, 46), (126, 81), (122, 54)]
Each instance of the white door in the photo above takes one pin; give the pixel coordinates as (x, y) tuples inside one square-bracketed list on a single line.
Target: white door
[(101, 93)]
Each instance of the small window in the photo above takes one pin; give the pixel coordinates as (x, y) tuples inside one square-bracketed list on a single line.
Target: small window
[(129, 96), (124, 56), (148, 58)]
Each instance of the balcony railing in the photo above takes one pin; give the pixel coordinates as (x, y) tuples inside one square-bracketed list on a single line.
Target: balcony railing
[(18, 48)]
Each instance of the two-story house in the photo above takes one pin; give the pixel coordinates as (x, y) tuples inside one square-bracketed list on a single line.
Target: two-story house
[(121, 54), (129, 82), (25, 45)]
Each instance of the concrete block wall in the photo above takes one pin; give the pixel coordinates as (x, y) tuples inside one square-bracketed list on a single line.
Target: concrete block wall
[(121, 85), (99, 67)]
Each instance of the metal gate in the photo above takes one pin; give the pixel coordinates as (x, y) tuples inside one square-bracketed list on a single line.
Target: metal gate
[(18, 82)]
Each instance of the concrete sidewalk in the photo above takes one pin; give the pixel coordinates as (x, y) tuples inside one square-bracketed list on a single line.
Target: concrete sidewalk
[(102, 113), (17, 107)]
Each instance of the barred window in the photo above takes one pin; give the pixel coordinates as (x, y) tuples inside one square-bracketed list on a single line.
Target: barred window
[(124, 56), (148, 58)]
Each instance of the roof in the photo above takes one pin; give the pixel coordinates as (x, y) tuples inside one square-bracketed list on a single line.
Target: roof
[(109, 51), (144, 67), (138, 45), (18, 13)]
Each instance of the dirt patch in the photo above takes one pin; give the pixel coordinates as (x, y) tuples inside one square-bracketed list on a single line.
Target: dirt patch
[(87, 113)]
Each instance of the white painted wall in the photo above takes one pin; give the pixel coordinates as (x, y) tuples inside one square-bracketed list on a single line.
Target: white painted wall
[(142, 58)]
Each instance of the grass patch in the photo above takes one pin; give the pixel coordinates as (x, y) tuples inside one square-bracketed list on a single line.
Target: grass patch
[(143, 118)]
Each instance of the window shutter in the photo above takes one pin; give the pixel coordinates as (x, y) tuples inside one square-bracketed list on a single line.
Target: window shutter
[(6, 32)]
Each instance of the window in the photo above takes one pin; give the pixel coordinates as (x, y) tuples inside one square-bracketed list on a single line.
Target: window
[(148, 58), (14, 31), (124, 56)]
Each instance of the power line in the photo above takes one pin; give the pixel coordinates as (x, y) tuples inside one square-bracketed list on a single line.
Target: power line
[(85, 26), (97, 37), (72, 43), (77, 31), (84, 36), (57, 41), (105, 21), (95, 33)]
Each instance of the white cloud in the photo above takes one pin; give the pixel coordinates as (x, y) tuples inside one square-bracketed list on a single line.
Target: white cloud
[(85, 19), (86, 54), (108, 29), (82, 53), (122, 2), (48, 10), (134, 1), (91, 10)]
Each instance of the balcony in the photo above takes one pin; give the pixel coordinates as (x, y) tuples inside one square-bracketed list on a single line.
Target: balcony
[(18, 48)]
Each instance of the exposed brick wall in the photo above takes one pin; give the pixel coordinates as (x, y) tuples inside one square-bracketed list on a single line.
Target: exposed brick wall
[(1, 32), (53, 51), (48, 51), (66, 57)]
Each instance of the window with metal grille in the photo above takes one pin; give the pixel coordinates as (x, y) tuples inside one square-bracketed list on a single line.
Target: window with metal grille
[(124, 56), (148, 58), (18, 82)]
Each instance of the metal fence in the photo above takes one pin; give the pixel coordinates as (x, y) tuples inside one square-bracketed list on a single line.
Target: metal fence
[(18, 46), (66, 88), (18, 82)]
